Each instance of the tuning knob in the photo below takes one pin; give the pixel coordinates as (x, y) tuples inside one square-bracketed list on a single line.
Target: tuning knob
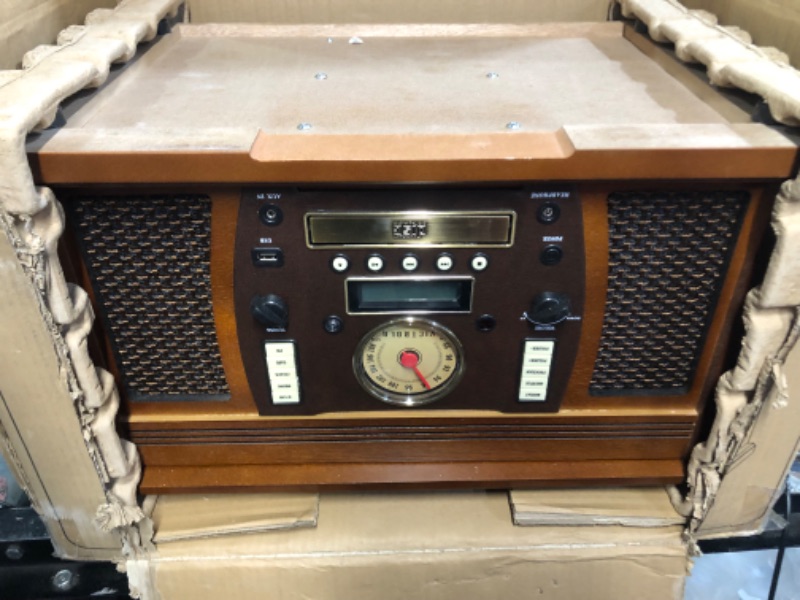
[(270, 310), (548, 308)]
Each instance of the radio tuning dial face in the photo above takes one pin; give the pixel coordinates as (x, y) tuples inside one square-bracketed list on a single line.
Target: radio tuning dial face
[(409, 362)]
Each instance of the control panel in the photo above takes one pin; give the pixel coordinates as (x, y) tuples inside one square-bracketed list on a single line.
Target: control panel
[(398, 298)]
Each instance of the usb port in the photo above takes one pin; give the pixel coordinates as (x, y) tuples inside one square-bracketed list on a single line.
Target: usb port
[(267, 257)]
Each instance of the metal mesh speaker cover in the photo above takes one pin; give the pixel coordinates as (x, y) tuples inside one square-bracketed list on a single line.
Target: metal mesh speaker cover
[(148, 259), (667, 257)]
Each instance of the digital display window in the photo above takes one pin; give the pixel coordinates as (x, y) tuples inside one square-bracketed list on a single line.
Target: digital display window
[(388, 295)]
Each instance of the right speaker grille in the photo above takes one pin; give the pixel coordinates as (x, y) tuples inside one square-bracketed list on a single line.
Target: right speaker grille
[(668, 254)]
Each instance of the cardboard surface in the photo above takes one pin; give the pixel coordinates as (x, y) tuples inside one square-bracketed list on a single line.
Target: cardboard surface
[(631, 507), (393, 11), (450, 545), (188, 517)]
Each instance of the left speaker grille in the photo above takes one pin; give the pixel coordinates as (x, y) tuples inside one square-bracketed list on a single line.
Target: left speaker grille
[(148, 258)]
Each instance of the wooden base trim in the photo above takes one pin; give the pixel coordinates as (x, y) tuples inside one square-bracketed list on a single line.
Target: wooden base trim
[(560, 431), (486, 475)]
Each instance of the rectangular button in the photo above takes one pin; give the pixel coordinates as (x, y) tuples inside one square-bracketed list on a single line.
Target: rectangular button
[(534, 383), (532, 395), (279, 350), (537, 360), (286, 398), (280, 363), (535, 372), (282, 373), (280, 386), (539, 347)]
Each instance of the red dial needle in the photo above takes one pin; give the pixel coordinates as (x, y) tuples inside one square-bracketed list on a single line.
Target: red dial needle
[(410, 360)]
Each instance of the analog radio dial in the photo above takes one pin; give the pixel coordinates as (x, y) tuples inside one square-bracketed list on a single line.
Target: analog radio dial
[(409, 361)]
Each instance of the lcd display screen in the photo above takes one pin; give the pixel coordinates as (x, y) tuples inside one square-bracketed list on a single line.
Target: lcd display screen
[(409, 295)]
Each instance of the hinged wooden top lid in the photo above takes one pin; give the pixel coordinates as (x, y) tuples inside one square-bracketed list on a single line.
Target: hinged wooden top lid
[(301, 96)]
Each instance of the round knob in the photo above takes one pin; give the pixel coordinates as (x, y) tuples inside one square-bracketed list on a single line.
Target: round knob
[(270, 310), (548, 308)]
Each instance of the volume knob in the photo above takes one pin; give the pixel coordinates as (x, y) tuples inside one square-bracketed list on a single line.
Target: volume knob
[(270, 310), (548, 308)]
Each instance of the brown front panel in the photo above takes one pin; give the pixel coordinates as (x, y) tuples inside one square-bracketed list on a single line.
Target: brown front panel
[(340, 428), (491, 326)]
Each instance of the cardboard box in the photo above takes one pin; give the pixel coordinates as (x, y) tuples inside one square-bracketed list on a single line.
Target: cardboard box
[(443, 546), (456, 545)]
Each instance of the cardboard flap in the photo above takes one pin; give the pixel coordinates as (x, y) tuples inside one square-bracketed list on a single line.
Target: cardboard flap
[(631, 507), (398, 526), (204, 516)]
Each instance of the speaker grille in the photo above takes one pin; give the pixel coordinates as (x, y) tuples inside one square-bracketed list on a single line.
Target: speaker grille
[(148, 259), (667, 256)]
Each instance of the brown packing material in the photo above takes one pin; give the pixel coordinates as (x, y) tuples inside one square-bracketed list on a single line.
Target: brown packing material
[(732, 60), (770, 22), (754, 478), (458, 546), (27, 23), (59, 476)]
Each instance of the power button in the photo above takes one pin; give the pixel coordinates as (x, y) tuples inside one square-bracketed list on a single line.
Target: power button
[(548, 213)]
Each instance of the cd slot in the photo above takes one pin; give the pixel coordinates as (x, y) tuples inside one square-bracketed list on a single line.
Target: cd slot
[(420, 229)]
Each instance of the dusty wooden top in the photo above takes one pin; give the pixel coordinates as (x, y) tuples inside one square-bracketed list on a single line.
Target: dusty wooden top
[(284, 93)]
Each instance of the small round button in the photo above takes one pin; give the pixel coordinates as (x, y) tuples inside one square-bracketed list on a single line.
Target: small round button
[(548, 213), (551, 255), (333, 324), (486, 323), (410, 263), (444, 262), (479, 262), (340, 263), (375, 263)]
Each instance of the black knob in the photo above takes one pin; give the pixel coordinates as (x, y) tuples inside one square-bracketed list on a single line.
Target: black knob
[(548, 308), (271, 311)]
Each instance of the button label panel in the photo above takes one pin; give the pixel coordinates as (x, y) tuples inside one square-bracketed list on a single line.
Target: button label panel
[(537, 359), (282, 372)]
